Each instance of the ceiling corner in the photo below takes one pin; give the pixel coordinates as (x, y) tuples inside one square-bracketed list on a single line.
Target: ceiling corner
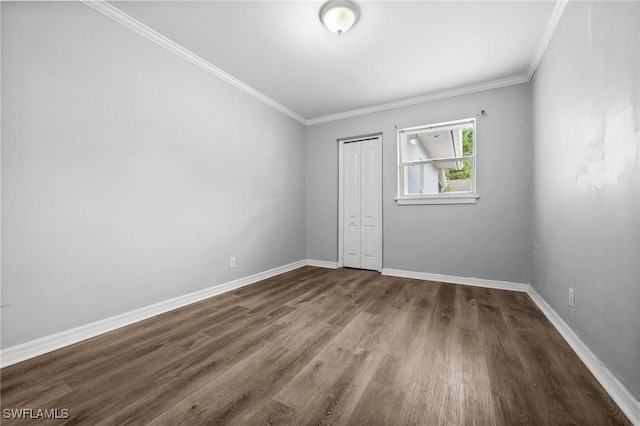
[(554, 19)]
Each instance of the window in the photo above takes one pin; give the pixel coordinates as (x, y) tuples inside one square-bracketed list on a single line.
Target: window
[(437, 163)]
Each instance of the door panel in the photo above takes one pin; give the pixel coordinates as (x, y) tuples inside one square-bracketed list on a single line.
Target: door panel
[(368, 181), (368, 242), (354, 184), (352, 205)]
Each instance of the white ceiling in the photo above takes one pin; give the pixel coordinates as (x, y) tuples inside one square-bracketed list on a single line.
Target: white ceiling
[(396, 51)]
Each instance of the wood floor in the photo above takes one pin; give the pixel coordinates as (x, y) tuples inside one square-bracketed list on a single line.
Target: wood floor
[(320, 346)]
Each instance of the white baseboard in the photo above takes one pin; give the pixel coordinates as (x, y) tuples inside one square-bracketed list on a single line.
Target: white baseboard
[(477, 282), (618, 392), (629, 405), (322, 264), (50, 343)]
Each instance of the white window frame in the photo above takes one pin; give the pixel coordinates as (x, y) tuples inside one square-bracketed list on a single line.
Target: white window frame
[(441, 198)]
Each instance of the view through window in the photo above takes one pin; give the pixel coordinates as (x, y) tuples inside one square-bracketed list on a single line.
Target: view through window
[(437, 163)]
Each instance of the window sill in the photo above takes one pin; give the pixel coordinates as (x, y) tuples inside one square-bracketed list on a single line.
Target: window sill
[(439, 199)]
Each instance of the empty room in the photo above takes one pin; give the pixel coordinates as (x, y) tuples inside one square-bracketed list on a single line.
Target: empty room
[(320, 212)]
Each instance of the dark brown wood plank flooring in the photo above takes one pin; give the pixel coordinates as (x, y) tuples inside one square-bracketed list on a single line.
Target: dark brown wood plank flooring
[(319, 346)]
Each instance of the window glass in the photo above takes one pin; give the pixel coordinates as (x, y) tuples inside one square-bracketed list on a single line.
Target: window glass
[(437, 161)]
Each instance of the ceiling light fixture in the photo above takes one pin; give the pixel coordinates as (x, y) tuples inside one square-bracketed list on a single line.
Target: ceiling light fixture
[(339, 15)]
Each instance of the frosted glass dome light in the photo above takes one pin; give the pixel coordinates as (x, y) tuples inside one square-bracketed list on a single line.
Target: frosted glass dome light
[(339, 15)]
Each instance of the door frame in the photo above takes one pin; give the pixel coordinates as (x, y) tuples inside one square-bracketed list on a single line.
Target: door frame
[(341, 143)]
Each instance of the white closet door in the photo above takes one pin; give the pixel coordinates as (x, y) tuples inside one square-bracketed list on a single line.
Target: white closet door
[(370, 203), (362, 204)]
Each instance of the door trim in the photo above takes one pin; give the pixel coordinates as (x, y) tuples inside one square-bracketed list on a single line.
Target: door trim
[(341, 143)]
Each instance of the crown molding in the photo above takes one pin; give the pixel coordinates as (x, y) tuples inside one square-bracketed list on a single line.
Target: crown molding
[(543, 43), (422, 99), (552, 24), (147, 32), (173, 47)]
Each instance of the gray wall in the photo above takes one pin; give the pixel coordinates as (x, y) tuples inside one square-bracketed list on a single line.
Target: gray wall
[(129, 175), (586, 213), (488, 240)]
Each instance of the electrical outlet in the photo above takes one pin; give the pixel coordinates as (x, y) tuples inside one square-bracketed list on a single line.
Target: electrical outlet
[(572, 298), (232, 262)]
